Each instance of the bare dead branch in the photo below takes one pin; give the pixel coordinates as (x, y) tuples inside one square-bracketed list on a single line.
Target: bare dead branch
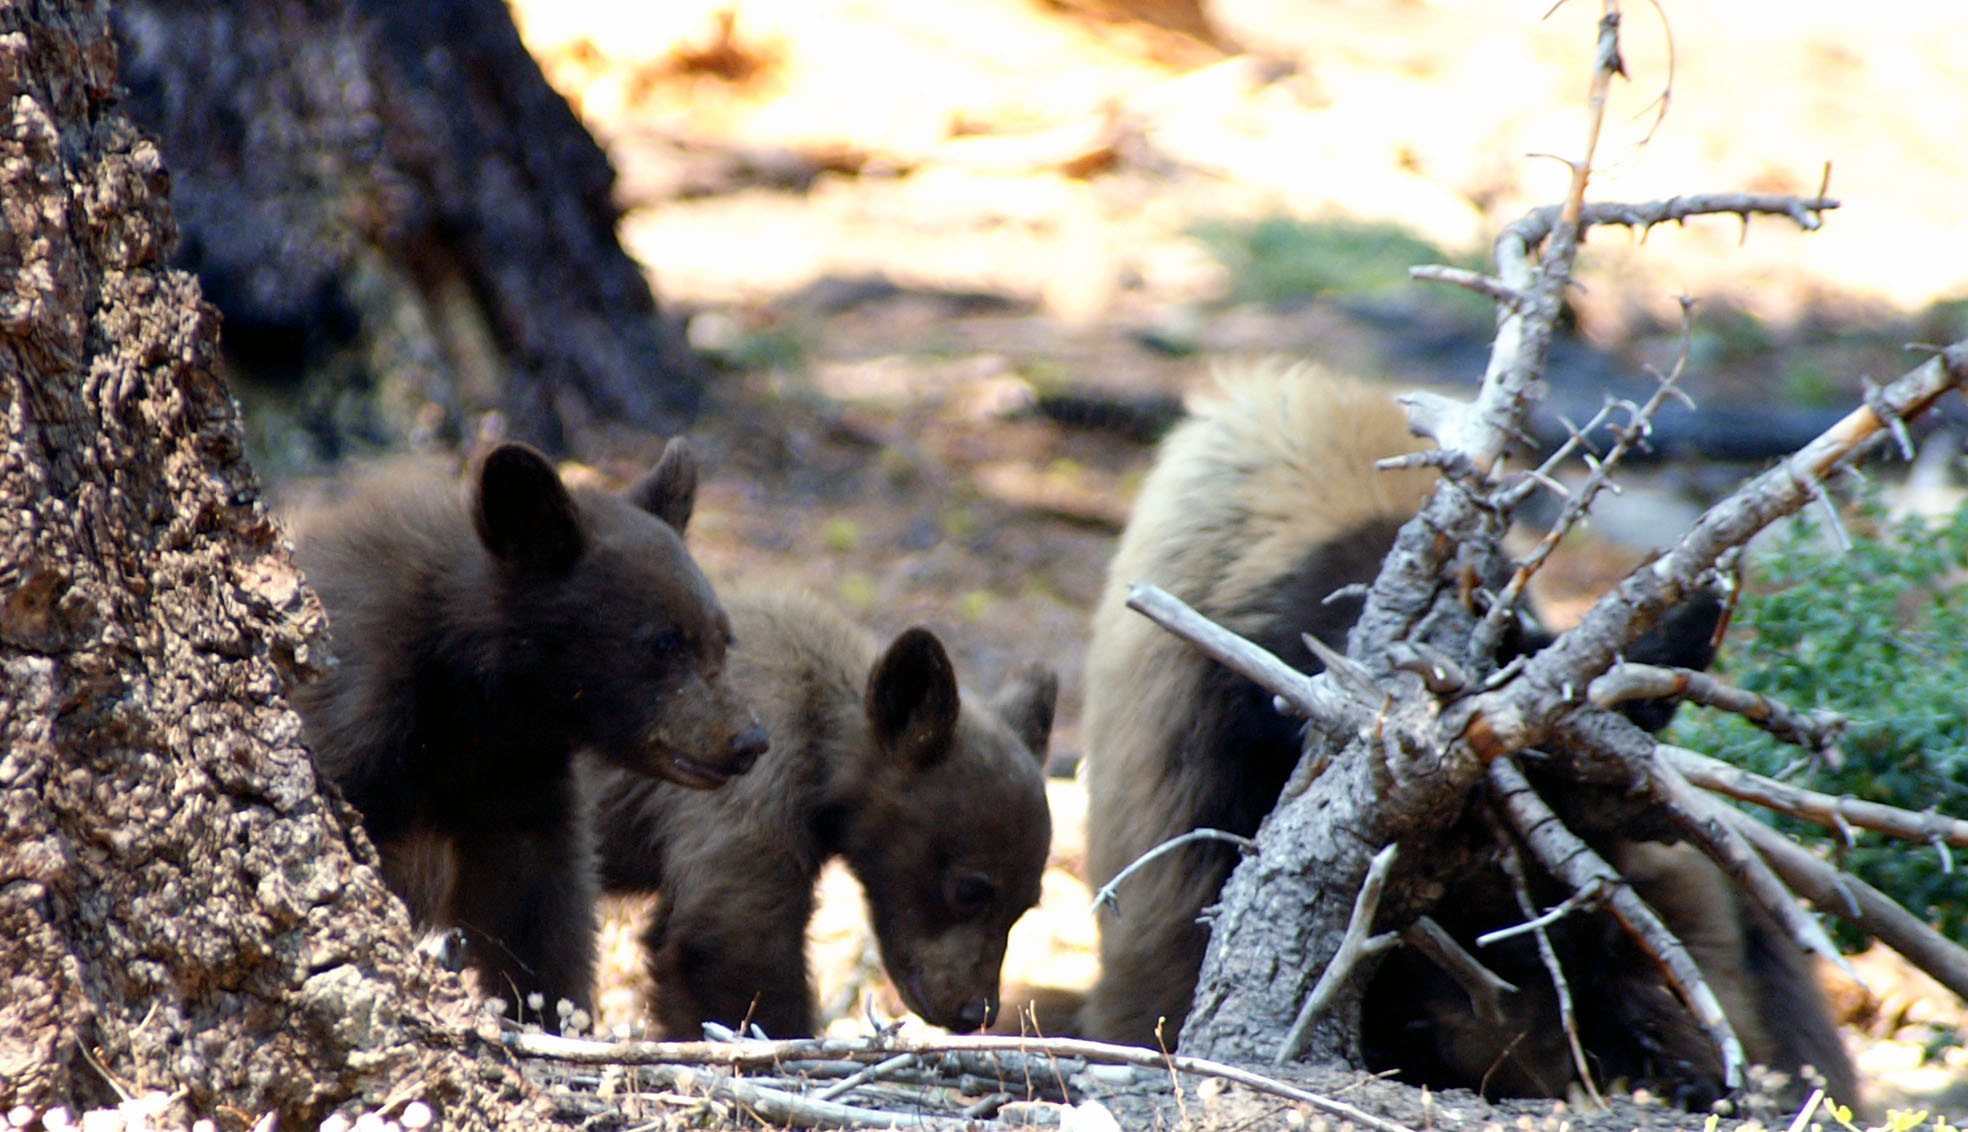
[(1702, 819), (1106, 896), (1813, 730), (1639, 424), (1832, 811), (1513, 867), (1311, 698), (1518, 715), (1570, 860), (1803, 211), (1864, 906), (1484, 987), (583, 1051), (1356, 945)]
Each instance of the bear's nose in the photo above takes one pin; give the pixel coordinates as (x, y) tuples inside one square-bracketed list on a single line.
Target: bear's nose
[(746, 747), (976, 1014)]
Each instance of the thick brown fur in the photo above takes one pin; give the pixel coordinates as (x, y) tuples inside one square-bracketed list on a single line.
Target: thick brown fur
[(480, 639), (935, 799), (1258, 507)]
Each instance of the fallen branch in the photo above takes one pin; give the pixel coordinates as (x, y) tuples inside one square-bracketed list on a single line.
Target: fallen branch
[(1832, 811), (1867, 908), (1814, 730)]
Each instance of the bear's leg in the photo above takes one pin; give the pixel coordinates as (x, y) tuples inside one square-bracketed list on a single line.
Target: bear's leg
[(733, 952), (1149, 962), (525, 898)]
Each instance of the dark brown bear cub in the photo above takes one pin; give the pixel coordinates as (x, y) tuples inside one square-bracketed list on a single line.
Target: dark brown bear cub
[(935, 800), (480, 642)]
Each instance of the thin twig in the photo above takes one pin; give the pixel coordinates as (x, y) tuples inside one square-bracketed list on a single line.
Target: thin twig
[(1106, 896), (1354, 946), (1561, 852), (1825, 809), (1520, 714), (1584, 898), (1495, 290), (1639, 423), (1513, 868)]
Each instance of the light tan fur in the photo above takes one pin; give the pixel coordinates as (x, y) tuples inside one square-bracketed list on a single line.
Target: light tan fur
[(1274, 463)]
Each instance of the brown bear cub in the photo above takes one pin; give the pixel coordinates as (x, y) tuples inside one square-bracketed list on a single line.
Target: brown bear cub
[(479, 643), (1258, 508), (935, 799)]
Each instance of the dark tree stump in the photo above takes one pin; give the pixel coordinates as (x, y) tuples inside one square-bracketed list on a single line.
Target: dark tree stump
[(402, 223)]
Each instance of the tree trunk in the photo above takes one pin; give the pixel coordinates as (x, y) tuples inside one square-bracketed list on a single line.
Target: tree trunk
[(180, 911), (403, 224)]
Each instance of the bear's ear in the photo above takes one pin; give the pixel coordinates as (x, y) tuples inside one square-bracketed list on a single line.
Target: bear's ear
[(669, 491), (1025, 703), (1685, 637), (912, 699), (523, 513)]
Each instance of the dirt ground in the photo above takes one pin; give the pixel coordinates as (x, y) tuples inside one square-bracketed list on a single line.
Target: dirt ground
[(902, 223)]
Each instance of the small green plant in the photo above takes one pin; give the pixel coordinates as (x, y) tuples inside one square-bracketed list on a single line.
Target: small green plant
[(1878, 633), (1280, 258)]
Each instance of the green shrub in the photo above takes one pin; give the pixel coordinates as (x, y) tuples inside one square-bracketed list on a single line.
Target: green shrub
[(1279, 258), (1880, 634)]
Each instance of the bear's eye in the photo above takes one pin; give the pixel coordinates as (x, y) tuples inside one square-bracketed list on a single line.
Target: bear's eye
[(667, 643), (971, 892)]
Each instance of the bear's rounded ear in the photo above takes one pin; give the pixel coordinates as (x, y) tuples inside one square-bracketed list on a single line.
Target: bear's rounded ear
[(912, 699), (523, 513), (669, 491), (1025, 703)]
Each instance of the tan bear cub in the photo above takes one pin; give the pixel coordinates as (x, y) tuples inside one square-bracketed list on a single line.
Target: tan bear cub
[(480, 641), (1260, 507), (935, 799)]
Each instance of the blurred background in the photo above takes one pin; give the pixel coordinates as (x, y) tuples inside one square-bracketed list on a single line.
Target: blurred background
[(923, 281)]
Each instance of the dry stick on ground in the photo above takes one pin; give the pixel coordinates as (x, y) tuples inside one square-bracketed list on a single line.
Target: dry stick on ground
[(1513, 867), (583, 1051), (1564, 856), (1357, 944)]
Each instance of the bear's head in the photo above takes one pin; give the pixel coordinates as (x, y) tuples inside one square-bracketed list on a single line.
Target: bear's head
[(950, 835), (614, 627)]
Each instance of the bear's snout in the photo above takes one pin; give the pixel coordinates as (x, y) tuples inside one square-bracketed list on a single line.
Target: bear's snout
[(746, 748), (975, 1015)]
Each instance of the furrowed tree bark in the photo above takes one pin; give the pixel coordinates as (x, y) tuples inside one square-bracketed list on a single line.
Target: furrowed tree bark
[(403, 224), (180, 911)]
